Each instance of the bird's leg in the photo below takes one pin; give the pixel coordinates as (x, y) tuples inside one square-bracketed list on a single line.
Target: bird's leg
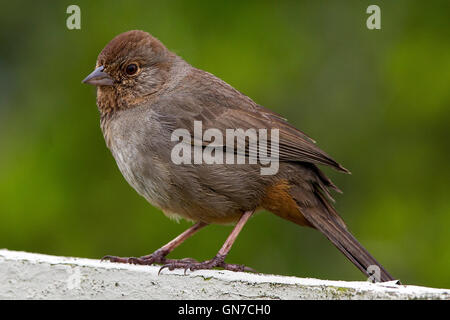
[(159, 255), (219, 259)]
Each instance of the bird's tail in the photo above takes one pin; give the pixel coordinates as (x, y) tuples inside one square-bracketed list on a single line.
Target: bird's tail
[(324, 218)]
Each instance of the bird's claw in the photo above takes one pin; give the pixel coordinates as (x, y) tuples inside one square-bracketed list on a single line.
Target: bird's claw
[(115, 259), (192, 265), (157, 257)]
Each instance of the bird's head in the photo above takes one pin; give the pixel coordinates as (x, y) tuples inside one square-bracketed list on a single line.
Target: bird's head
[(132, 66)]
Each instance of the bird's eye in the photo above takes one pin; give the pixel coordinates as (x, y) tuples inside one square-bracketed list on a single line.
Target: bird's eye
[(131, 69)]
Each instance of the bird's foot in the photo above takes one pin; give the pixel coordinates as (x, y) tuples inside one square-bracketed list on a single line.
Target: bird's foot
[(157, 257), (191, 264)]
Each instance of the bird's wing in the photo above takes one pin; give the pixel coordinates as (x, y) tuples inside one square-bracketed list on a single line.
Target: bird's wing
[(227, 108)]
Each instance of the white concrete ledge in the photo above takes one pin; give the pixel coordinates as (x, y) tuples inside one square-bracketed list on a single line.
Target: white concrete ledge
[(36, 276)]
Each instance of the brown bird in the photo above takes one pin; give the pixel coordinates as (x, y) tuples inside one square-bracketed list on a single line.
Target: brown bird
[(145, 93)]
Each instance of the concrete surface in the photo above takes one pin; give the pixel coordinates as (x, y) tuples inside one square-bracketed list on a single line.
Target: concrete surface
[(35, 276)]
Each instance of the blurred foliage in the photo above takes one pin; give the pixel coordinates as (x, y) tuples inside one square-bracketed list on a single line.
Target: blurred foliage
[(376, 100)]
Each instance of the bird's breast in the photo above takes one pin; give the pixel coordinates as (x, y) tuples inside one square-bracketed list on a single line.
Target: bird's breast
[(138, 162)]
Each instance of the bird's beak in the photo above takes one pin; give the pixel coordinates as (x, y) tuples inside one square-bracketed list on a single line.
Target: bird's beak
[(99, 78)]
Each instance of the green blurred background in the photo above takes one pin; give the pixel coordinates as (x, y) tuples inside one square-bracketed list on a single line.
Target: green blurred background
[(376, 100)]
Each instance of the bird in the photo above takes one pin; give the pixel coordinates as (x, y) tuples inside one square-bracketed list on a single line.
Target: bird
[(145, 93)]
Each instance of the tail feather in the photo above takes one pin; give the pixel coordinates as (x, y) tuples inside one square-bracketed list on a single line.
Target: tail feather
[(325, 219)]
